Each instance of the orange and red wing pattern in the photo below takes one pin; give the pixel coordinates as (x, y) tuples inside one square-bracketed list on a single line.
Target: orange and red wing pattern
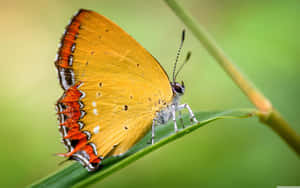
[(113, 89)]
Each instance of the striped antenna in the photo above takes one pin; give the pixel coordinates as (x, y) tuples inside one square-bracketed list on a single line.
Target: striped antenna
[(178, 54)]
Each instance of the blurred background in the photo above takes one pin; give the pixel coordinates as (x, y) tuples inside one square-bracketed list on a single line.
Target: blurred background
[(262, 37)]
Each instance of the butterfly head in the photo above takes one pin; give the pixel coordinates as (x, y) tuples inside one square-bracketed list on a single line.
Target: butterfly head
[(178, 89)]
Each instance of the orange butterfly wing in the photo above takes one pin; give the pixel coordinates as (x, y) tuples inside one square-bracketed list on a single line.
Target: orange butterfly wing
[(113, 88)]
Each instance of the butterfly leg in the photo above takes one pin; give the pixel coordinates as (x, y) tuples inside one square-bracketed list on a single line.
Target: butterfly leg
[(174, 118), (180, 118), (153, 131), (192, 116)]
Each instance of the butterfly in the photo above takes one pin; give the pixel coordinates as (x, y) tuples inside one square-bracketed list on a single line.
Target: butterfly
[(114, 90)]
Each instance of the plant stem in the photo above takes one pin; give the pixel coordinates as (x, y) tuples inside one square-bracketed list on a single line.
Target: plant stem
[(282, 128), (268, 115)]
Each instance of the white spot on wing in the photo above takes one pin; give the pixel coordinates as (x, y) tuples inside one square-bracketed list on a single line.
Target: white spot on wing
[(70, 60), (95, 111), (94, 104), (96, 129), (73, 47)]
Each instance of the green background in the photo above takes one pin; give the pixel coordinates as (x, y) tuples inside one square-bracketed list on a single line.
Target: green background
[(262, 37)]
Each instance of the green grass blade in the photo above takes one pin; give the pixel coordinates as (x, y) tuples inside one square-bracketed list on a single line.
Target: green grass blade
[(76, 175)]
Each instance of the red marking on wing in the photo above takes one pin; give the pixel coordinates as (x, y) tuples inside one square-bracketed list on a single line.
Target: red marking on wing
[(69, 104), (70, 123), (72, 112), (93, 158), (66, 43), (81, 144), (71, 95)]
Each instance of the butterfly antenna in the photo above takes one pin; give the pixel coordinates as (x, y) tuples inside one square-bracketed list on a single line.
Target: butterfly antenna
[(178, 54), (185, 61)]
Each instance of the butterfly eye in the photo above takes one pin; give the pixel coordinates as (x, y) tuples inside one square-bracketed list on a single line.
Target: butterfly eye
[(178, 89)]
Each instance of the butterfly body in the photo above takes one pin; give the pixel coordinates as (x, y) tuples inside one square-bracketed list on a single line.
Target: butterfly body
[(114, 90)]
